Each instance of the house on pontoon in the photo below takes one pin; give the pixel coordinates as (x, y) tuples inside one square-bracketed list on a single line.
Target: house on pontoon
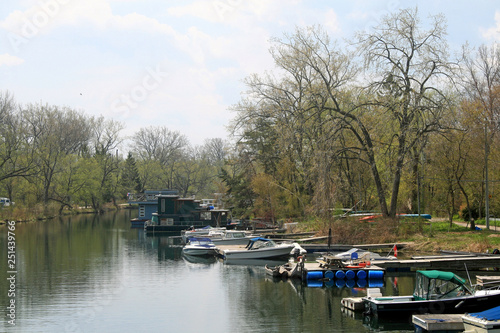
[(147, 204), (175, 214)]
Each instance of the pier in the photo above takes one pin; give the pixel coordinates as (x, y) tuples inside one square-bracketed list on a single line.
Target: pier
[(445, 262)]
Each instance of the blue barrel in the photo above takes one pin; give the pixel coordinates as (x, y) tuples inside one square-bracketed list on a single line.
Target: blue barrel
[(361, 283), (339, 275), (329, 275), (340, 283), (315, 275), (314, 283), (350, 275), (375, 283), (361, 274), (376, 275)]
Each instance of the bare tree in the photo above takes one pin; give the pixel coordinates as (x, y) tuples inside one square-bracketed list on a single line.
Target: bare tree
[(16, 153)]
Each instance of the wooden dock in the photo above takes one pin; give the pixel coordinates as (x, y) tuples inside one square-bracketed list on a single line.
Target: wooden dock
[(344, 247), (438, 322), (454, 263), (486, 281)]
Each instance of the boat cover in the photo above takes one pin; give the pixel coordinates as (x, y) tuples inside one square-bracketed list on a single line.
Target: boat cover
[(447, 276), (199, 239), (438, 284), (491, 314)]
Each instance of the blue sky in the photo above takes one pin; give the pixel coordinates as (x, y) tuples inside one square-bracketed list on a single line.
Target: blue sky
[(180, 64)]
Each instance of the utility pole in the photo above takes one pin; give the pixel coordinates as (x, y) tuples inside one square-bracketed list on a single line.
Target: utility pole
[(486, 187)]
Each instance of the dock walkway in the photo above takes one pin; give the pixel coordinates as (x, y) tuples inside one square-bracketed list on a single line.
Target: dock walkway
[(456, 263)]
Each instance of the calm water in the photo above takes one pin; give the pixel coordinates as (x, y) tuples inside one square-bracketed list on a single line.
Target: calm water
[(96, 274)]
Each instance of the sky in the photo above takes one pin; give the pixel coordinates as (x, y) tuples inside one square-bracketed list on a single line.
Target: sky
[(181, 64)]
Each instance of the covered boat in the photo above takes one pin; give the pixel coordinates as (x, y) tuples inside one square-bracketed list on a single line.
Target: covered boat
[(356, 253), (261, 248), (199, 247), (485, 321), (435, 292)]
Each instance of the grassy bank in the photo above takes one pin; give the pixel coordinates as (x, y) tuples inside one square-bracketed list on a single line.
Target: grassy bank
[(39, 212), (423, 236)]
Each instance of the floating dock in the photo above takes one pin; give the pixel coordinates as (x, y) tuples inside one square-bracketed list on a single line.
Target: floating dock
[(446, 263), (438, 323), (331, 272)]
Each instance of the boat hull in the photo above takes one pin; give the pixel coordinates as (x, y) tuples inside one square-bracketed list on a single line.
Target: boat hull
[(199, 251), (401, 305), (265, 253)]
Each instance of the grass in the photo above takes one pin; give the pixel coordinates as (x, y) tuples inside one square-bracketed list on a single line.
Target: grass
[(422, 235), (37, 212)]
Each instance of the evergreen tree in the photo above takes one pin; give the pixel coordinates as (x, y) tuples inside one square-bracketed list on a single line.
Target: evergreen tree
[(130, 180)]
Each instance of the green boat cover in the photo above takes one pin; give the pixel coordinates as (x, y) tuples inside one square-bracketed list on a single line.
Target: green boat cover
[(447, 276), (438, 284)]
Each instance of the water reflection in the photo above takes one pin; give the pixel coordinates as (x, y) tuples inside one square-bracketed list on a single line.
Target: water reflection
[(92, 273)]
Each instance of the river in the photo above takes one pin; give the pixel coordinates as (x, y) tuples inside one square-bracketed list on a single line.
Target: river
[(91, 273)]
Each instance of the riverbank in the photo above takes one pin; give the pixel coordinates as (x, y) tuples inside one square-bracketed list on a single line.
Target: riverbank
[(421, 236), (42, 213)]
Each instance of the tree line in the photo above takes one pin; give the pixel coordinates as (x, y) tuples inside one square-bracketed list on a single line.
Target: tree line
[(387, 122), (58, 155)]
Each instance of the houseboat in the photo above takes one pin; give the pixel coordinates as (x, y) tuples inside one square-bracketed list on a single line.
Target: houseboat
[(147, 205), (176, 214)]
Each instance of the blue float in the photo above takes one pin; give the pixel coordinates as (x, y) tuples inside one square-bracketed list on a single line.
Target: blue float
[(329, 275), (315, 283), (375, 275), (350, 275), (375, 283), (362, 283), (361, 274), (340, 283), (339, 275), (315, 275)]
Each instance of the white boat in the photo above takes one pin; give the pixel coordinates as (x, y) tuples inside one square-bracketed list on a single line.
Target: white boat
[(483, 322), (199, 247), (230, 237), (355, 253), (261, 248), (200, 232)]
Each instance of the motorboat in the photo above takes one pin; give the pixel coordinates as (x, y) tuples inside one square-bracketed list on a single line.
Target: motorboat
[(436, 292), (261, 248), (199, 232), (199, 247), (230, 237), (359, 254), (486, 321)]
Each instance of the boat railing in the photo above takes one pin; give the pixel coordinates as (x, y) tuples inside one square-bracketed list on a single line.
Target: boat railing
[(142, 197)]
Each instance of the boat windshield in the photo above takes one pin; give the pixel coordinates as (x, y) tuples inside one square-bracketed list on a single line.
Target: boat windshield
[(259, 243), (439, 285)]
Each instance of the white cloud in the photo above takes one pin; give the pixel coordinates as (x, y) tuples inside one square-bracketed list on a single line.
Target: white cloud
[(493, 33), (10, 60), (331, 22)]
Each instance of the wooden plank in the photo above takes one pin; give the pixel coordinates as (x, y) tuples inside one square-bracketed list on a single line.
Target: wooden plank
[(454, 263), (488, 281)]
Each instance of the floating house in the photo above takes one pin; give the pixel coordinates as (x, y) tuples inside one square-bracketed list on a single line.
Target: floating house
[(175, 214), (147, 204)]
